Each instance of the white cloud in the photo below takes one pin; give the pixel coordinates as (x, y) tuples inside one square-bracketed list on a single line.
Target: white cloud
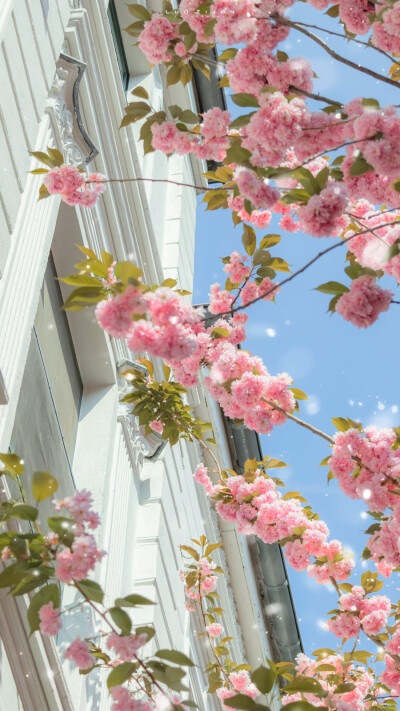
[(312, 405), (381, 406), (270, 332), (394, 409)]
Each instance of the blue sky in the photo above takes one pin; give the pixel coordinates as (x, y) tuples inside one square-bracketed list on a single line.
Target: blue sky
[(345, 371)]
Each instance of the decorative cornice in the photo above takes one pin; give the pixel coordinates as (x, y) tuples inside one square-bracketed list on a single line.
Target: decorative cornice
[(63, 108)]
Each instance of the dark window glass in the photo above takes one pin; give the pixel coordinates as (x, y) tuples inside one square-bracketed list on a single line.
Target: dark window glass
[(118, 43)]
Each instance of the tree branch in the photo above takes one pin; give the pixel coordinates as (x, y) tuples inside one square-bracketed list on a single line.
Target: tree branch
[(301, 270), (332, 53), (300, 422)]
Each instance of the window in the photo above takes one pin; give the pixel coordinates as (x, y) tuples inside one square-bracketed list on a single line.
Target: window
[(118, 44), (48, 409)]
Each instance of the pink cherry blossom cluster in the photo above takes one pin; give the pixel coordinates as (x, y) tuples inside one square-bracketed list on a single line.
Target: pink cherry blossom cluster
[(50, 622), (321, 217), (124, 701), (157, 37), (175, 332), (364, 302), (371, 248), (125, 647), (214, 142), (368, 467), (391, 675), (254, 503), (74, 563), (73, 186), (167, 331), (207, 581), (255, 66), (259, 192), (237, 268), (354, 700), (242, 684), (78, 653), (260, 400), (359, 612)]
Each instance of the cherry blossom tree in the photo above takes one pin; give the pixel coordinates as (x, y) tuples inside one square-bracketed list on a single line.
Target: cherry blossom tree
[(330, 172)]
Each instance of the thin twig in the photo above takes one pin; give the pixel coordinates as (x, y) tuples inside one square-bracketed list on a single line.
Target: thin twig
[(300, 422), (349, 39), (361, 224), (152, 180), (332, 53), (293, 89), (301, 270)]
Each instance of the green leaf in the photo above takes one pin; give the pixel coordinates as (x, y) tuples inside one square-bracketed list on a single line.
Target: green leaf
[(245, 100), (145, 629), (135, 28), (218, 199), (171, 655), (133, 601), (228, 54), (237, 154), (43, 485), (241, 121), (85, 295), (344, 688), (13, 574), (360, 166), (139, 11), (212, 547), (218, 332), (64, 527), (189, 549), (269, 241), (240, 701), (333, 11), (297, 195), (281, 56), (341, 424), (370, 104), (141, 92), (49, 593), (306, 684), (25, 512), (120, 674), (307, 180), (91, 590), (322, 177), (249, 239), (169, 282), (189, 117), (264, 679), (126, 271), (43, 158), (80, 280), (43, 192), (122, 619), (299, 394), (56, 155), (12, 462), (332, 287)]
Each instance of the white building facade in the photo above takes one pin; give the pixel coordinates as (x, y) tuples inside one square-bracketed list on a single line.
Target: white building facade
[(64, 78)]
